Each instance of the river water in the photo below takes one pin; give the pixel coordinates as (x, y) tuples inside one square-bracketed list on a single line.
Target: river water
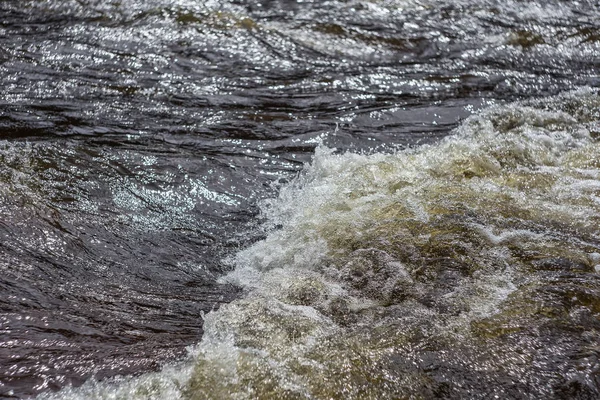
[(299, 199)]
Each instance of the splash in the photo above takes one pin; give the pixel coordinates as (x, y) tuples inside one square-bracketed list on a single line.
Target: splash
[(467, 268), (403, 275)]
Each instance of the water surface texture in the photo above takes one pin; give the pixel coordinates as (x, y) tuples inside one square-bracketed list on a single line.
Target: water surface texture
[(324, 199)]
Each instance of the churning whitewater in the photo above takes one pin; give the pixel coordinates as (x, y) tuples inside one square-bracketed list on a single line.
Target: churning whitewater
[(468, 268)]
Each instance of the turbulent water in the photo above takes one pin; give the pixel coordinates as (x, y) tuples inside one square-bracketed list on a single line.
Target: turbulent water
[(299, 199)]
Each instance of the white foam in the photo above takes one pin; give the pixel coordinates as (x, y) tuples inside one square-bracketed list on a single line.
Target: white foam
[(358, 241)]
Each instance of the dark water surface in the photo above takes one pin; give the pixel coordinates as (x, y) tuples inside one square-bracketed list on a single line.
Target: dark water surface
[(138, 137)]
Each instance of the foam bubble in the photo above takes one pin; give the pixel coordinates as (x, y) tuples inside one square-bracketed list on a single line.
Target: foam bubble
[(383, 275), (418, 247)]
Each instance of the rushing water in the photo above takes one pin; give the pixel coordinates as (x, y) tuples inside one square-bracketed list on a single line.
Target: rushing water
[(299, 199)]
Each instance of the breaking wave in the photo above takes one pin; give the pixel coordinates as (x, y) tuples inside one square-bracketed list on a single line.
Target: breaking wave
[(465, 268)]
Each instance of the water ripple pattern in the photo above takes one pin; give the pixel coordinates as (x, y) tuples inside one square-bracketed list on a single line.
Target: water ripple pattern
[(140, 142)]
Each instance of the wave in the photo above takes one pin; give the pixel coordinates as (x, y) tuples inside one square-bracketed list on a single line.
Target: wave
[(465, 268)]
